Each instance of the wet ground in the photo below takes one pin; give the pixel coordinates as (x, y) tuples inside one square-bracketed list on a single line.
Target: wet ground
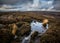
[(21, 21)]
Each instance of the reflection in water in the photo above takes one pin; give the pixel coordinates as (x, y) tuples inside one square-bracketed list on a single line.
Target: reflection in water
[(27, 39), (35, 26)]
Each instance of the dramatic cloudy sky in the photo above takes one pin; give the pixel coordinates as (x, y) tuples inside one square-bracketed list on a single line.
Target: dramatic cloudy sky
[(26, 4)]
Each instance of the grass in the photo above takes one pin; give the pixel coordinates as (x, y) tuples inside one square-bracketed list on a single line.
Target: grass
[(23, 19)]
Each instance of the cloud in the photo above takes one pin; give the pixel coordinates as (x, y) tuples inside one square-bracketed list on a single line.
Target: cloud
[(9, 1), (29, 6)]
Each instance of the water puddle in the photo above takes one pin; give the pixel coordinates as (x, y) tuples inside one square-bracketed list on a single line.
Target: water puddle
[(38, 26), (35, 26)]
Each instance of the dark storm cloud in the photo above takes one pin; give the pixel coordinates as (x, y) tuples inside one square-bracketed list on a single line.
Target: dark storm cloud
[(57, 4), (8, 1), (13, 1)]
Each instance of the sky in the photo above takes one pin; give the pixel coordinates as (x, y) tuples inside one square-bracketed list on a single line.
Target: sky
[(29, 5)]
